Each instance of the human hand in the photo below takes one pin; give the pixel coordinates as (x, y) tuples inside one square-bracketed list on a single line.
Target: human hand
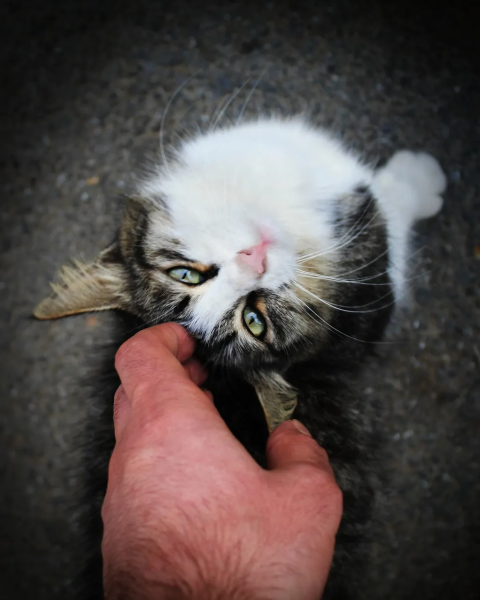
[(188, 512)]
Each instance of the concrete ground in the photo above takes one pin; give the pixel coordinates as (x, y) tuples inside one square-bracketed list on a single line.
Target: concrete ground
[(83, 91)]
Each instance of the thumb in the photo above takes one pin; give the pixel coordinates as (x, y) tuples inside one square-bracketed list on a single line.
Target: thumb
[(291, 444)]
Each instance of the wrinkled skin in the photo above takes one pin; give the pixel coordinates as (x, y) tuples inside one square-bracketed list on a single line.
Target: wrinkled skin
[(188, 512)]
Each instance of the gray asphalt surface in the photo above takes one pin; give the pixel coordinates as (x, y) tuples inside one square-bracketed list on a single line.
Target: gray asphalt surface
[(84, 88)]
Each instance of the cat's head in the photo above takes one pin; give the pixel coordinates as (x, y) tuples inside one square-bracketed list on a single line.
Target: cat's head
[(237, 239)]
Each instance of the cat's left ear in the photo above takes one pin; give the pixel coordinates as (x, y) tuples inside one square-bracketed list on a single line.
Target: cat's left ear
[(100, 285)]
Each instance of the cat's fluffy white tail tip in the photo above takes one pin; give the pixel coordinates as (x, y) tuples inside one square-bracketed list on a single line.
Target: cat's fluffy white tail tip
[(423, 174)]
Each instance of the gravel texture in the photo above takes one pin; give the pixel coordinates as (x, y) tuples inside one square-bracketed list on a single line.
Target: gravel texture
[(85, 86)]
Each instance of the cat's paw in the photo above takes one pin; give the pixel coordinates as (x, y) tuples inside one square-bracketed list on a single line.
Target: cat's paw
[(422, 173)]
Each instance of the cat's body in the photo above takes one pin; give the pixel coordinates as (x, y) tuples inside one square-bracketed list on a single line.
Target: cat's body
[(283, 255)]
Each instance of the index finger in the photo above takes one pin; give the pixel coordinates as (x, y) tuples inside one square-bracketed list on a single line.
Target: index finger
[(160, 391), (153, 355)]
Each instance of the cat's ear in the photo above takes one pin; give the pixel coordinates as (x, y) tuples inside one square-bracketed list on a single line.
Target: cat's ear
[(277, 397), (100, 285)]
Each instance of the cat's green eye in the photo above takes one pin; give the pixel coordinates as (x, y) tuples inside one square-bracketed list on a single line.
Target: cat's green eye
[(254, 321), (188, 276)]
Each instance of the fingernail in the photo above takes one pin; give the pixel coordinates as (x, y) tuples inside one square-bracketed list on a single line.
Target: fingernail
[(301, 427)]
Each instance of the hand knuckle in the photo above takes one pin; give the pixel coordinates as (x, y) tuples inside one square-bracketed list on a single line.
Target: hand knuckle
[(312, 448), (328, 488), (134, 353), (315, 473), (336, 495), (125, 352), (312, 473)]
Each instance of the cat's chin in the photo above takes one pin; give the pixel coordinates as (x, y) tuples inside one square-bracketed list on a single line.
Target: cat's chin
[(238, 362)]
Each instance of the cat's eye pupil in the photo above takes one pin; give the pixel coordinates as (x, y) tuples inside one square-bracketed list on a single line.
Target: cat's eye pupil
[(254, 321), (188, 276)]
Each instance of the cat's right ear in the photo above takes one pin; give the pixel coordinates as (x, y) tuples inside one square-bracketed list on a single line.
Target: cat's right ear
[(83, 287)]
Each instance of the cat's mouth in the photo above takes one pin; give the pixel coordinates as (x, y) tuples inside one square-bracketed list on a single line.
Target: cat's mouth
[(276, 396), (228, 353)]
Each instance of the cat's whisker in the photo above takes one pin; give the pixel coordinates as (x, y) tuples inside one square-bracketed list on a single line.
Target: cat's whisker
[(314, 275), (396, 297), (310, 275), (249, 97), (339, 245), (218, 109), (344, 235), (335, 307), (227, 104), (389, 294), (360, 281), (165, 114), (316, 317), (188, 131), (381, 255), (345, 308)]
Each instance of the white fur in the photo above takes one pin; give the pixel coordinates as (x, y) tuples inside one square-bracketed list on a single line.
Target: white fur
[(282, 177), (408, 189)]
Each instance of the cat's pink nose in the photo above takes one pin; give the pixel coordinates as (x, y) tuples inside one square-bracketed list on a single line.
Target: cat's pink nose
[(256, 256)]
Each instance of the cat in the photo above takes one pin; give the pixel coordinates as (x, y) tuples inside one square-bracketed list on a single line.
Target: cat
[(283, 254)]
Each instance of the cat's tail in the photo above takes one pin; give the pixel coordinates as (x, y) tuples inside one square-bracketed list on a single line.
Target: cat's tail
[(411, 183)]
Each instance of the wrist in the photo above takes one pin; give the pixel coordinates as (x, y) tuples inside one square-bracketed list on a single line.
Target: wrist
[(148, 573), (125, 584)]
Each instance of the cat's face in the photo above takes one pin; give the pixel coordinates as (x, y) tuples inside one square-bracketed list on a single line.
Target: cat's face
[(222, 248), (237, 239), (231, 282)]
